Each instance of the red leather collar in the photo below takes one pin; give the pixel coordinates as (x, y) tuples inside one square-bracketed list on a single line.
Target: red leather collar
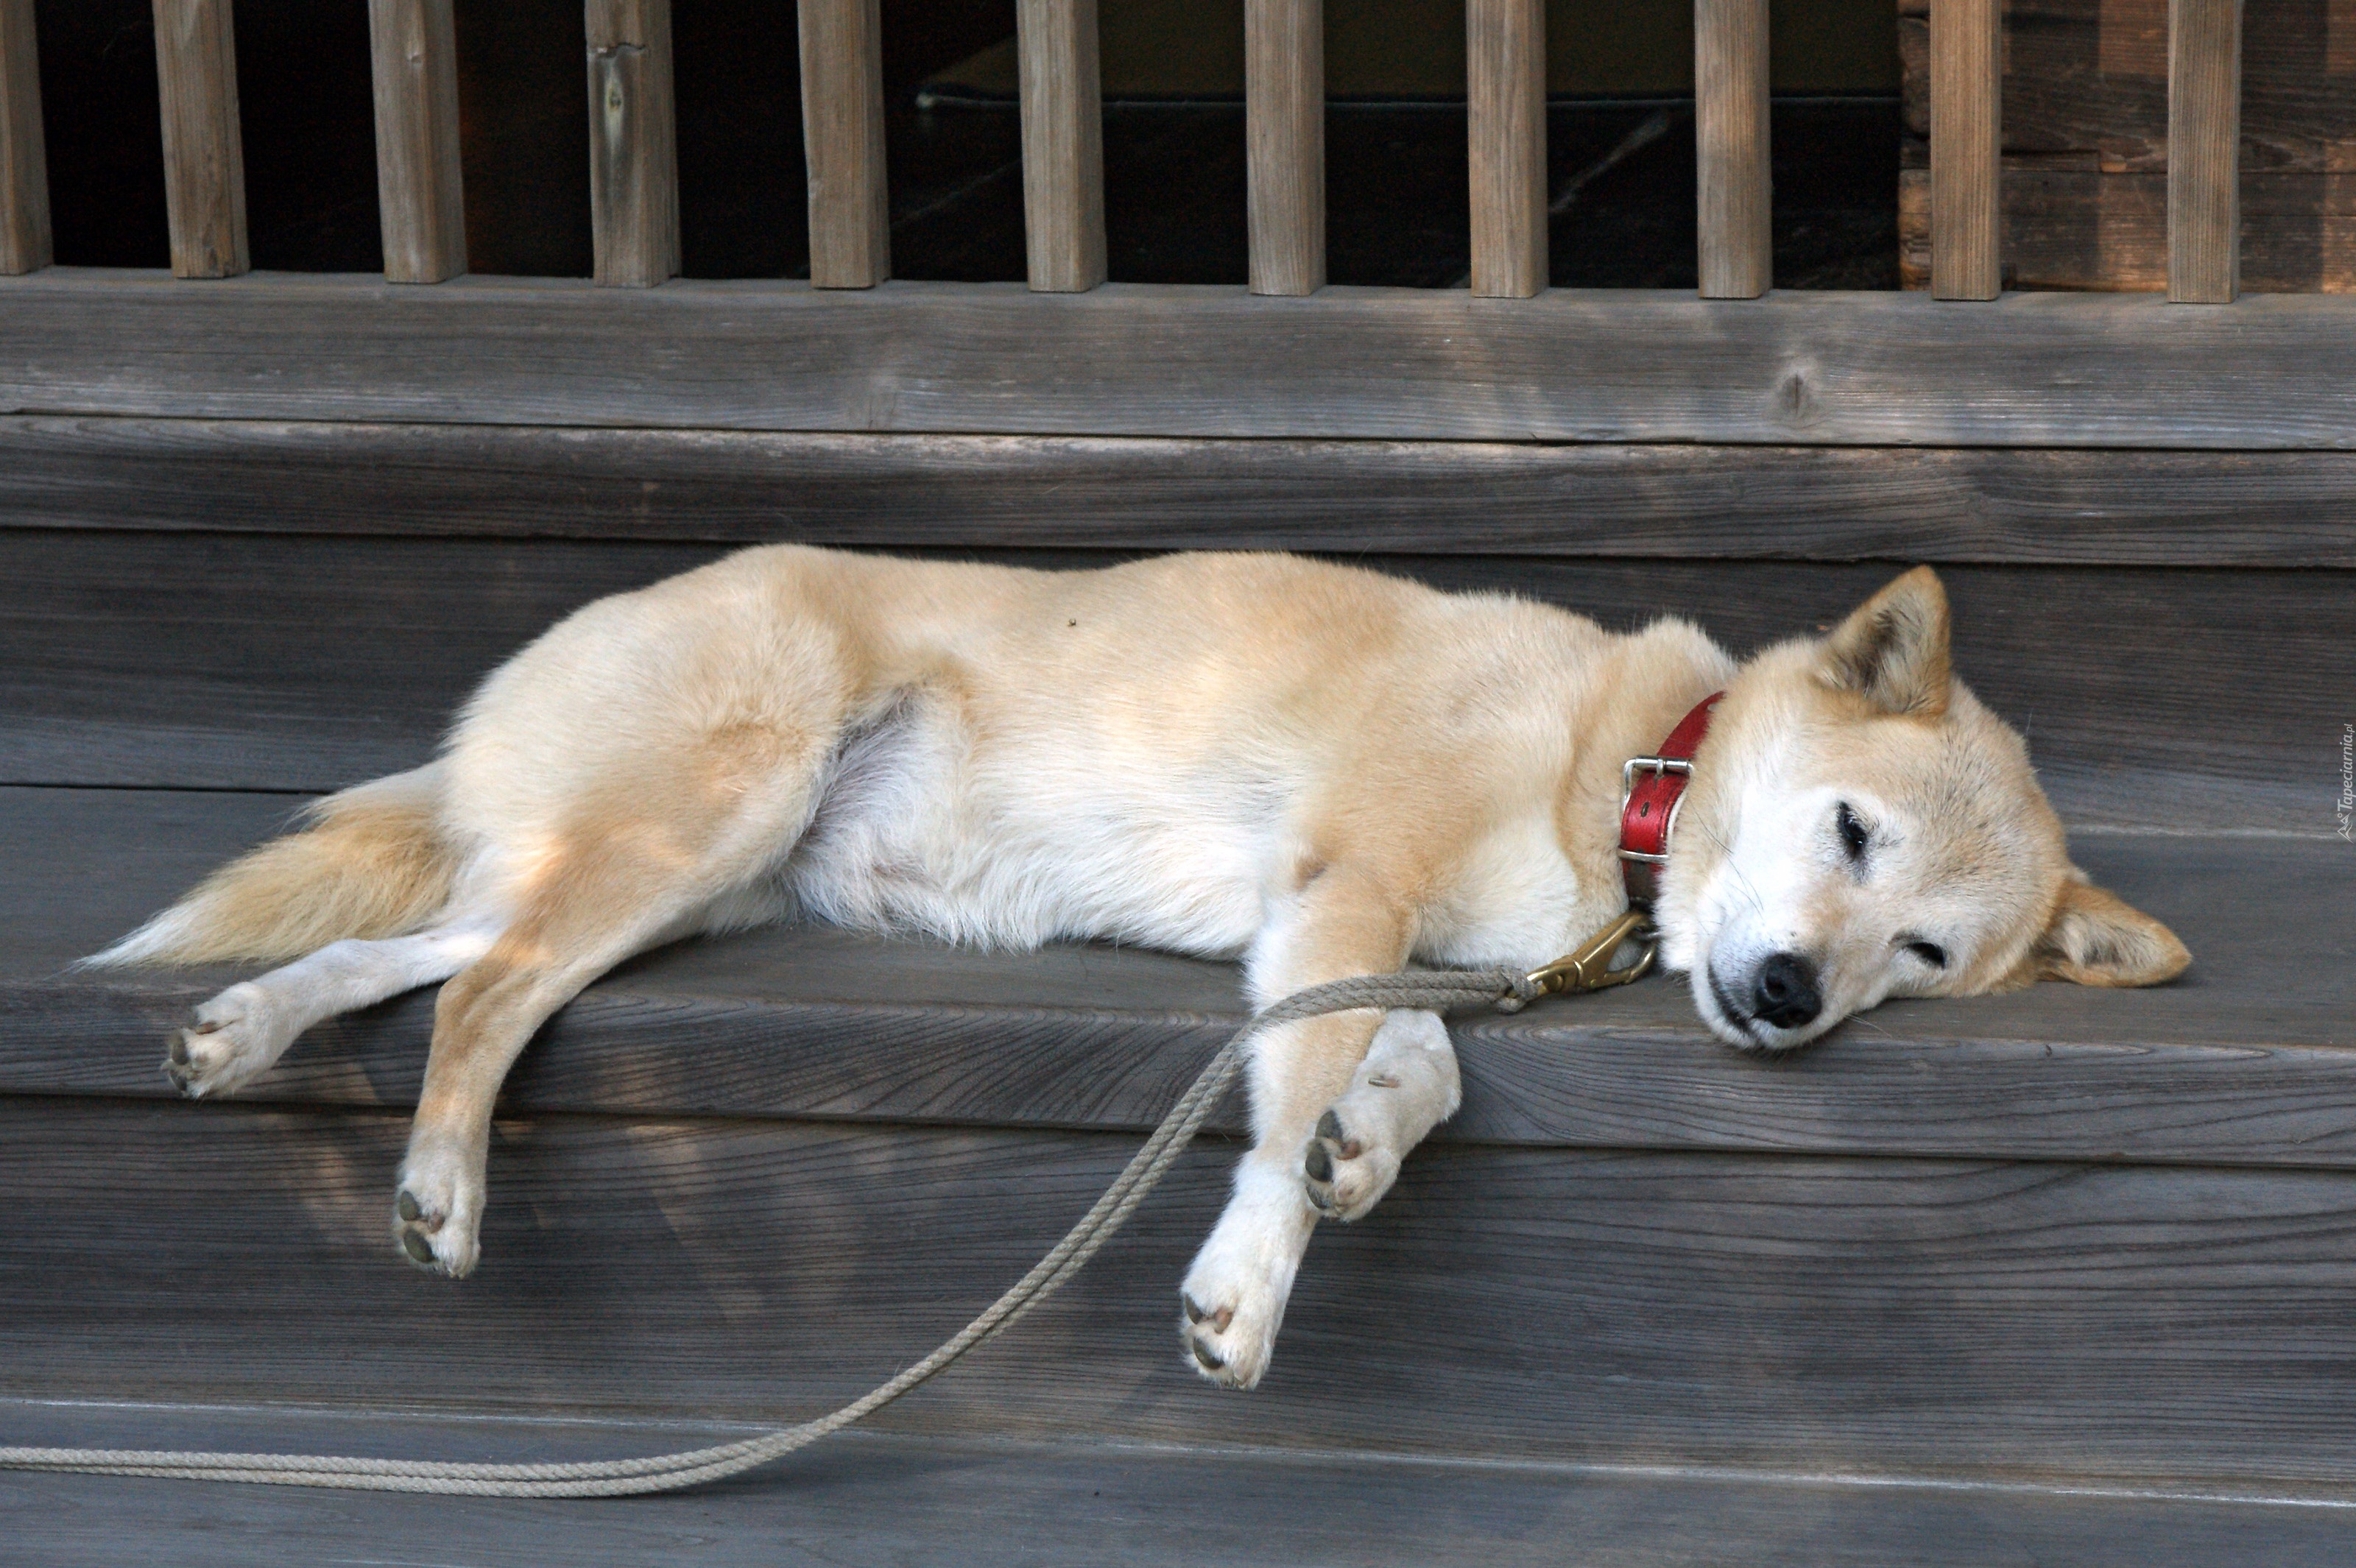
[(1651, 788)]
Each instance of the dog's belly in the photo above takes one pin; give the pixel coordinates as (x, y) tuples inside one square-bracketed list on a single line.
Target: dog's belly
[(1033, 840)]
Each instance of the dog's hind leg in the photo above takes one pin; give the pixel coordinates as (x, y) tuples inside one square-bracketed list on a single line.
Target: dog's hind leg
[(244, 1029), (646, 868), (1346, 922)]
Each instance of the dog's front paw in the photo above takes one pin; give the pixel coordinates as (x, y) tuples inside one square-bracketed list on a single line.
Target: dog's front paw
[(1345, 1169), (236, 1037), (437, 1213), (1234, 1297)]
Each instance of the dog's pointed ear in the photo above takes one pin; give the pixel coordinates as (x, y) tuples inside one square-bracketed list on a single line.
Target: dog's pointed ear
[(2095, 938), (1893, 651)]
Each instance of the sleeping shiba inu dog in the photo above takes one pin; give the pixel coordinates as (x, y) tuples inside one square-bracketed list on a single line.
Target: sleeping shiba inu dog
[(1321, 770)]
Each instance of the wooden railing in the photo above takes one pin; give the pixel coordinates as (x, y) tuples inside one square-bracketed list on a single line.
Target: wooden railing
[(634, 173)]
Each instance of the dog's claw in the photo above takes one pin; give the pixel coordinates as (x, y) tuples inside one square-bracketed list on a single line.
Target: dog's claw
[(406, 1207), (419, 1251), (1202, 1353), (1320, 1163), (1329, 1125), (1194, 1313), (179, 1053)]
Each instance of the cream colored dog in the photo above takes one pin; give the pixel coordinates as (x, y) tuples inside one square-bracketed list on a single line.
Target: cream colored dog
[(1324, 771)]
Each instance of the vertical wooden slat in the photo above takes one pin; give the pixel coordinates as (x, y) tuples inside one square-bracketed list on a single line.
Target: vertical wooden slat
[(1966, 147), (24, 158), (1063, 145), (633, 150), (1504, 55), (842, 137), (1284, 154), (2205, 137), (420, 194), (1738, 242), (203, 156)]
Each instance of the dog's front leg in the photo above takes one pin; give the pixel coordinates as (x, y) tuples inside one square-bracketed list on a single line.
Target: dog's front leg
[(1343, 923)]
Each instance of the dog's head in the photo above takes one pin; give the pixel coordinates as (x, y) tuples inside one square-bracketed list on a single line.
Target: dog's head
[(1859, 827)]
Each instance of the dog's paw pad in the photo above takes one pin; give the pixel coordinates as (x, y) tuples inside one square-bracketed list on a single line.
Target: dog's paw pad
[(1228, 1354), (429, 1232), (1344, 1175)]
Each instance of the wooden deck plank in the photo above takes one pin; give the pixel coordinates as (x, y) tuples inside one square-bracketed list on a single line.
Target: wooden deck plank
[(1570, 365), (23, 156), (233, 660), (2244, 1063), (1063, 146), (203, 156), (2102, 1322), (885, 1500), (1987, 504), (420, 183)]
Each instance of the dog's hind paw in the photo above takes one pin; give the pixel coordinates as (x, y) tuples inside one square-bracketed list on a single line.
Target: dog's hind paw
[(437, 1215), (235, 1039)]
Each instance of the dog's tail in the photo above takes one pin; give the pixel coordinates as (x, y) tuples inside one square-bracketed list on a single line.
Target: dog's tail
[(369, 862)]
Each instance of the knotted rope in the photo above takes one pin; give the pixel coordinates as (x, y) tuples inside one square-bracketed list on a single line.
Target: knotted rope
[(1436, 990)]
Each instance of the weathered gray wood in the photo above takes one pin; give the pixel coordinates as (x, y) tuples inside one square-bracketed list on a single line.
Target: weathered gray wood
[(23, 156), (1505, 52), (1063, 146), (875, 1500), (1989, 505), (2082, 229), (2205, 134), (1284, 143), (2243, 1064), (633, 143), (203, 156), (421, 196), (842, 140), (1967, 142), (2150, 704), (2086, 82), (1730, 132), (1574, 365), (2109, 1322)]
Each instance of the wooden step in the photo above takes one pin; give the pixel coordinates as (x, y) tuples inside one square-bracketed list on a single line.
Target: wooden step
[(2105, 1236), (866, 1498)]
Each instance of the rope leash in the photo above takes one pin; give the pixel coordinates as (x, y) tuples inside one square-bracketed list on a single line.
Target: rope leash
[(1433, 990)]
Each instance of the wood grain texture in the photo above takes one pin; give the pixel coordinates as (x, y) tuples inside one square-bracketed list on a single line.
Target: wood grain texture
[(2149, 702), (2082, 229), (842, 139), (1989, 505), (2086, 83), (2103, 1322), (204, 154), (1966, 142), (1063, 146), (421, 193), (868, 1499), (1284, 143), (1872, 369), (1504, 52), (24, 154), (633, 143), (1732, 148), (2245, 1063), (2205, 134)]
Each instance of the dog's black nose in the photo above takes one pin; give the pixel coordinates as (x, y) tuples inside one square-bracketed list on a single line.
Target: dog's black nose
[(1784, 994)]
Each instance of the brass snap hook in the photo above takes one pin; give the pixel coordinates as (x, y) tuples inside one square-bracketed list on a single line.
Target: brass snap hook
[(1589, 969)]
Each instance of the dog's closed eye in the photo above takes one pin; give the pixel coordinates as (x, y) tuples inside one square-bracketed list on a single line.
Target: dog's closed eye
[(1853, 835), (1931, 953)]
